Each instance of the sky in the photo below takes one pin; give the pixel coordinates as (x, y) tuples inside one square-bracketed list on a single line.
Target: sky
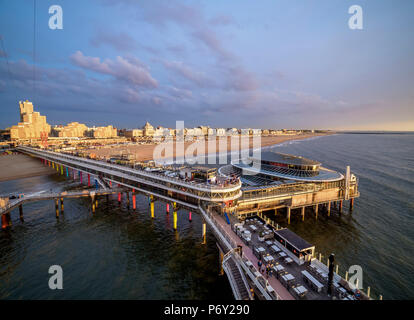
[(232, 63)]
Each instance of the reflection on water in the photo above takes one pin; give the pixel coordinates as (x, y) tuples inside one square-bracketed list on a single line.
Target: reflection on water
[(115, 254)]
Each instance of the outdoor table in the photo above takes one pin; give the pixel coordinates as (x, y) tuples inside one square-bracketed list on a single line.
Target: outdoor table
[(261, 249), (301, 290), (254, 228), (268, 258), (316, 285), (282, 254), (269, 243), (288, 260), (275, 248), (288, 277), (278, 268)]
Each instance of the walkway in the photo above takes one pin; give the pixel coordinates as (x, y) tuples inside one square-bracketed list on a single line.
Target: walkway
[(248, 253)]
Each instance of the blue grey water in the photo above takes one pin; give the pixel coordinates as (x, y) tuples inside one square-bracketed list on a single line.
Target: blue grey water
[(122, 254)]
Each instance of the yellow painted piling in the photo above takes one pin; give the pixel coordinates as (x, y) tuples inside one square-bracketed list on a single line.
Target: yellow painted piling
[(175, 215), (204, 232)]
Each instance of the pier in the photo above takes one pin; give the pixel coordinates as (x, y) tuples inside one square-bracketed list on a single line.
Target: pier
[(222, 205)]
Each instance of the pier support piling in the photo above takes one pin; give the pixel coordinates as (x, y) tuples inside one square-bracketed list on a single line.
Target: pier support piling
[(93, 203), (4, 222), (168, 208), (288, 214), (62, 209), (303, 213), (328, 208), (316, 208), (189, 216), (152, 206), (340, 206), (134, 200), (204, 232), (57, 207), (119, 197), (89, 180), (351, 205), (21, 213), (127, 198), (175, 215)]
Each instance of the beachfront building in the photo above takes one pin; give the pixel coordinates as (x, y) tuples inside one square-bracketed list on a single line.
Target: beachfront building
[(72, 129), (31, 126), (103, 132), (134, 133), (232, 131), (148, 130)]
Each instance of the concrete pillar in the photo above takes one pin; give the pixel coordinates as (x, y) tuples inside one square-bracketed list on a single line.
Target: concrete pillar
[(288, 214), (316, 211), (204, 232), (62, 209), (175, 215), (21, 212), (303, 213), (328, 208), (57, 207), (189, 216)]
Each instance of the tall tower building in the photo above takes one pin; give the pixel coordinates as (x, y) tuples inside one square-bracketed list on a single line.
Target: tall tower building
[(31, 126)]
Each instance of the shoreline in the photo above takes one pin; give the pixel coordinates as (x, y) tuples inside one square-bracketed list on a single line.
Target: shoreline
[(20, 166)]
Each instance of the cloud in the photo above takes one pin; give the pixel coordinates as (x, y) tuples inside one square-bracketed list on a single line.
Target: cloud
[(119, 41), (185, 71), (3, 54), (129, 70)]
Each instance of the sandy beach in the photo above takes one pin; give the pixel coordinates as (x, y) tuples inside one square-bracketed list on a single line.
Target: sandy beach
[(18, 166), (146, 152)]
